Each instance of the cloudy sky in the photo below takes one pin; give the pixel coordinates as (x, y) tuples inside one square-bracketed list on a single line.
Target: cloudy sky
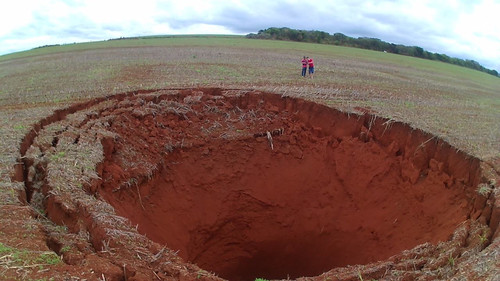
[(467, 29)]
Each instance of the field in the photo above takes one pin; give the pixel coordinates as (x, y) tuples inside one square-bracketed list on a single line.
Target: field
[(453, 105)]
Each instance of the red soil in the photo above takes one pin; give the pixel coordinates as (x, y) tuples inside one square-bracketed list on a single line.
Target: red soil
[(250, 185), (324, 197)]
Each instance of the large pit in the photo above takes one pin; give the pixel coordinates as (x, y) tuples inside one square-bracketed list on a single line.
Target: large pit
[(249, 184)]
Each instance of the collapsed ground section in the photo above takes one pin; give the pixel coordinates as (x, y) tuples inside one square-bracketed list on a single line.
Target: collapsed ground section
[(246, 183), (256, 185)]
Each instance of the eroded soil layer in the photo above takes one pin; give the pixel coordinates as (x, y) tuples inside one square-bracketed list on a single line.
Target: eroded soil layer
[(250, 184)]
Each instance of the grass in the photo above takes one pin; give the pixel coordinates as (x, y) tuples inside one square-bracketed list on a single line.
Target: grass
[(451, 261), (483, 238), (484, 189), (11, 257), (57, 156)]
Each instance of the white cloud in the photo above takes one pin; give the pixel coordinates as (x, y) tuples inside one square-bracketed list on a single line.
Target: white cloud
[(478, 33), (462, 28)]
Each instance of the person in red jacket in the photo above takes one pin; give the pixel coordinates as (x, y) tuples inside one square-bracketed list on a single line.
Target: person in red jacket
[(304, 67), (311, 67)]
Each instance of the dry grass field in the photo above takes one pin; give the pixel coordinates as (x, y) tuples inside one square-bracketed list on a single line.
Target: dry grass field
[(454, 104)]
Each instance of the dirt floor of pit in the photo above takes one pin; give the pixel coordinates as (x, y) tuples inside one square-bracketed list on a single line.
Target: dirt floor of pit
[(181, 166)]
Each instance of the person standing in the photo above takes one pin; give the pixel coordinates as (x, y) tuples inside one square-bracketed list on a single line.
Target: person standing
[(310, 62), (304, 66)]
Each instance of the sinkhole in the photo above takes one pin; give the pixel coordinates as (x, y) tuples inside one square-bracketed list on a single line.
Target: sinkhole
[(257, 185), (249, 184)]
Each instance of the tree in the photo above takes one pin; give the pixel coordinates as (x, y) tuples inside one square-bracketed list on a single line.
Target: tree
[(419, 52)]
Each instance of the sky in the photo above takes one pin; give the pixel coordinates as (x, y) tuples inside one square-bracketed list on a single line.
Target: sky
[(466, 29)]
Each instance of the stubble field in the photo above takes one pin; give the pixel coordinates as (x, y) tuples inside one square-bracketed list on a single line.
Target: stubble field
[(43, 91)]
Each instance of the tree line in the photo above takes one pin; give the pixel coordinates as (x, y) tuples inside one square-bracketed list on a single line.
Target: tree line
[(340, 39)]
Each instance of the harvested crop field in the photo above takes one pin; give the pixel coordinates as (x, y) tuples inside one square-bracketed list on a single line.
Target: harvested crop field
[(241, 179)]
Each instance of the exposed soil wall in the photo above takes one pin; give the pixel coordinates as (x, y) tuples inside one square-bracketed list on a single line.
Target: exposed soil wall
[(249, 185), (328, 194)]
